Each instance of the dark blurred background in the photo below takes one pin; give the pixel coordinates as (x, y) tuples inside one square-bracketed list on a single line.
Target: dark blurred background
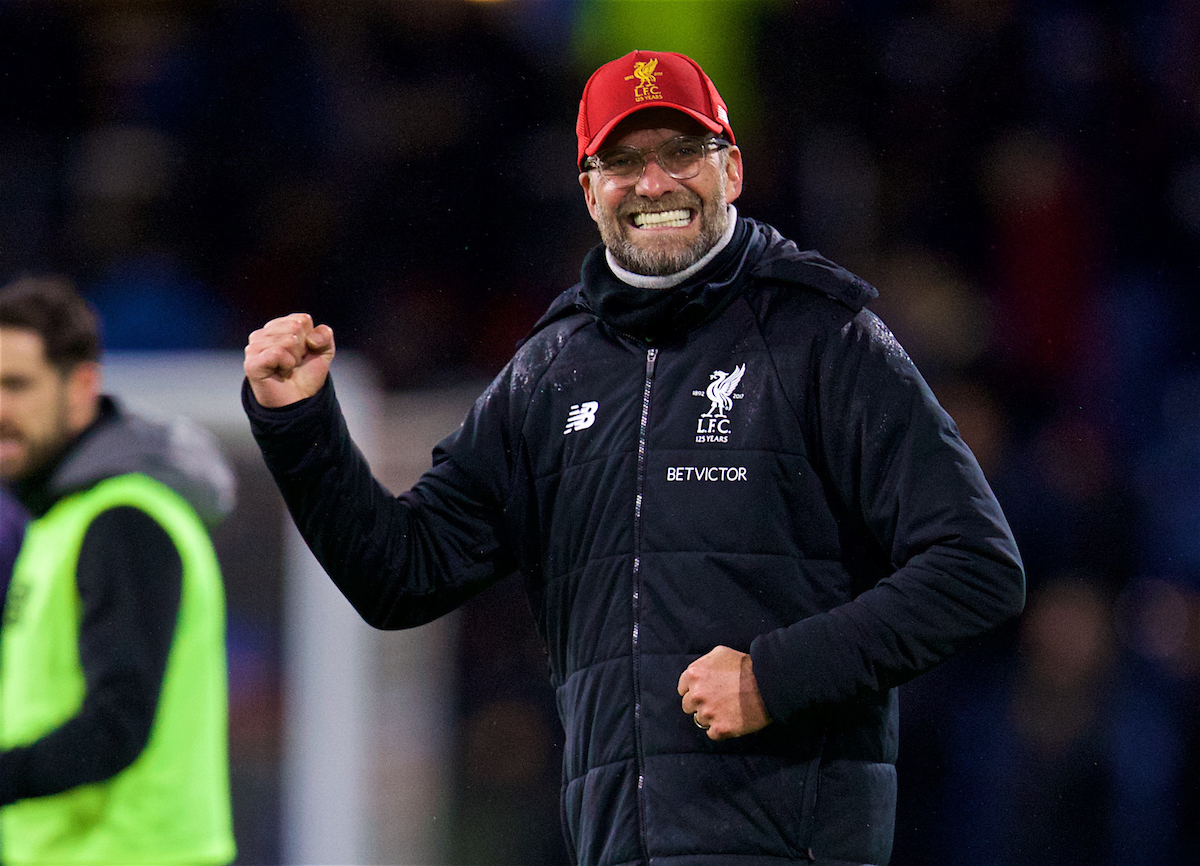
[(1021, 180)]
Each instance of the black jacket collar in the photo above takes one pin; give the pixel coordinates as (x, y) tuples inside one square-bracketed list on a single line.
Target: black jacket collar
[(756, 252)]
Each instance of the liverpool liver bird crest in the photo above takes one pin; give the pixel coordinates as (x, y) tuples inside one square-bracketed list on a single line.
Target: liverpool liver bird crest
[(720, 391), (644, 70)]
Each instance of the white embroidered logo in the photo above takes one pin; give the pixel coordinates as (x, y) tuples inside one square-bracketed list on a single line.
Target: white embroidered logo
[(581, 416), (713, 425)]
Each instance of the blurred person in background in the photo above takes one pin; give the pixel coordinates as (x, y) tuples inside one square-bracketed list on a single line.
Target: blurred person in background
[(742, 517), (112, 655)]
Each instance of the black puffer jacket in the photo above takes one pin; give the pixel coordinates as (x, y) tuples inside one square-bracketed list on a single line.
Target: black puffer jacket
[(769, 472)]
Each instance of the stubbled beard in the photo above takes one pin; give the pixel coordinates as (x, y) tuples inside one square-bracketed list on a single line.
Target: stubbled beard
[(37, 455), (615, 231), (39, 452)]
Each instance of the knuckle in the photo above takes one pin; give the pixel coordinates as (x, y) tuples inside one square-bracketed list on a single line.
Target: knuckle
[(277, 356)]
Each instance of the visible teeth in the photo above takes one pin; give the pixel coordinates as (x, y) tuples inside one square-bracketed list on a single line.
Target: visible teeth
[(672, 218)]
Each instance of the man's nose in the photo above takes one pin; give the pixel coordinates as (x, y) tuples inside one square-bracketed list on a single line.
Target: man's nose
[(654, 180)]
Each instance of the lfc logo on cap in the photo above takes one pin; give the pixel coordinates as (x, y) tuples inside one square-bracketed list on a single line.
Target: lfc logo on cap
[(646, 88)]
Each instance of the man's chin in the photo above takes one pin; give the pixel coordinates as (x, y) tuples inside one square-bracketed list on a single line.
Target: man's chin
[(658, 258), (20, 460)]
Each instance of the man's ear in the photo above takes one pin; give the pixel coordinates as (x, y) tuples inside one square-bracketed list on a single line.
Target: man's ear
[(589, 194), (83, 394), (733, 174)]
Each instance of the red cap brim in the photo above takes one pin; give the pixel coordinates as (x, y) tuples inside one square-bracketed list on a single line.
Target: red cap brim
[(598, 139)]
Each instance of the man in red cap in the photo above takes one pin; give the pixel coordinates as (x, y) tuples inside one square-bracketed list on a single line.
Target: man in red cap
[(675, 216), (741, 516)]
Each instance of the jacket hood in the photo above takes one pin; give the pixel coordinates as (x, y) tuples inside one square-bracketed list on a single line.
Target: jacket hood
[(783, 262), (780, 261), (174, 451)]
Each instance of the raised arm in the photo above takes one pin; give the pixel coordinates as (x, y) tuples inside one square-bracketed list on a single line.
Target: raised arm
[(400, 560)]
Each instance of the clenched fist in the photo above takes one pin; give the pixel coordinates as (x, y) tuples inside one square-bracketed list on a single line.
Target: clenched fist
[(287, 359), (720, 692)]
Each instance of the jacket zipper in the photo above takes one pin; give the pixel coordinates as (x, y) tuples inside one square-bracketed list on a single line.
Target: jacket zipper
[(651, 356)]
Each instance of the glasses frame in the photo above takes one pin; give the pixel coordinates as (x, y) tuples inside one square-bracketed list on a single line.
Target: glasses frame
[(707, 144)]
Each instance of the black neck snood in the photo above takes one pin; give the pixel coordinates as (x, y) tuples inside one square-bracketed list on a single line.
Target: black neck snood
[(653, 315)]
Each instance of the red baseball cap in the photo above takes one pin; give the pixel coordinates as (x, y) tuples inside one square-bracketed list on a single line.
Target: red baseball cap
[(646, 79)]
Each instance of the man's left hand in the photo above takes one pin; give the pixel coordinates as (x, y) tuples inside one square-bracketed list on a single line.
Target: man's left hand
[(719, 691)]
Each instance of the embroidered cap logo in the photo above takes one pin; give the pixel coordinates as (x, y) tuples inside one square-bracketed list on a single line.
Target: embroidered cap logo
[(647, 86)]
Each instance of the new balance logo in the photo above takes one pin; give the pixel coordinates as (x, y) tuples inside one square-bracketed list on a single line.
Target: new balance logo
[(581, 416)]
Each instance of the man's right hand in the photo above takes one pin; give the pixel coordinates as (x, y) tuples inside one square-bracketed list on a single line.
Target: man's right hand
[(287, 359)]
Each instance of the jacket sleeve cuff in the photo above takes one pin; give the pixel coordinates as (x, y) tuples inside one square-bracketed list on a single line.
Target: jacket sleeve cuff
[(770, 673), (271, 419), (299, 437), (797, 668)]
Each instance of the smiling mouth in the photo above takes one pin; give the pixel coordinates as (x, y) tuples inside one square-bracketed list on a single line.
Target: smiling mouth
[(662, 219)]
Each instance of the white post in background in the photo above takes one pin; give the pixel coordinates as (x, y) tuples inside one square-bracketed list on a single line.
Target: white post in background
[(326, 674), (328, 679), (415, 669)]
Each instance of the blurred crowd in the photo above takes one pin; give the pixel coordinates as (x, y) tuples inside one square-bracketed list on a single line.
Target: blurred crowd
[(1019, 178)]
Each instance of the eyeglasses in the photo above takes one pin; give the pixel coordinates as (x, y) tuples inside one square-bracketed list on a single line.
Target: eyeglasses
[(681, 157)]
